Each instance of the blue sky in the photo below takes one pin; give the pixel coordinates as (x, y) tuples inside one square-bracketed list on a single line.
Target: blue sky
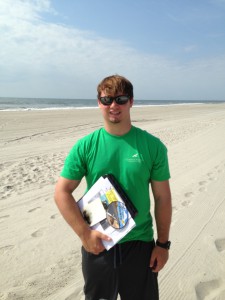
[(169, 49)]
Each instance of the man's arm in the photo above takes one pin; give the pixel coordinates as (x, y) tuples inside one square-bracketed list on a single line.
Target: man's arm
[(91, 239), (163, 213)]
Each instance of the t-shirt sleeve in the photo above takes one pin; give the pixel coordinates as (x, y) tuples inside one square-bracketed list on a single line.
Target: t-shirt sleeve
[(74, 166), (160, 168)]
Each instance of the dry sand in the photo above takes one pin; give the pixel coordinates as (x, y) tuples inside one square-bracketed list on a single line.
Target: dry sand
[(39, 253)]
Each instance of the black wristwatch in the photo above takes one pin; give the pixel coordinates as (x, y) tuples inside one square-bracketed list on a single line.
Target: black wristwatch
[(165, 245)]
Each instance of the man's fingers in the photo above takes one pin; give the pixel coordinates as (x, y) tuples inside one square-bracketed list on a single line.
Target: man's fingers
[(153, 260), (93, 243), (153, 264), (104, 237)]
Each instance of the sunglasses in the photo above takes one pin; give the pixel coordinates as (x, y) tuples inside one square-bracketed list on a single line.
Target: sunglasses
[(121, 100)]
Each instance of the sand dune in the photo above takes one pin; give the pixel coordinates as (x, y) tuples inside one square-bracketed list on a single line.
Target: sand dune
[(40, 255)]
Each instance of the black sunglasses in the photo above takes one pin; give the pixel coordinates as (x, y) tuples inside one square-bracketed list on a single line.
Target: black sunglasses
[(118, 99)]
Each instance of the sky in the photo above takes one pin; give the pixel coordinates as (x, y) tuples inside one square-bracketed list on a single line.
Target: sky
[(168, 49)]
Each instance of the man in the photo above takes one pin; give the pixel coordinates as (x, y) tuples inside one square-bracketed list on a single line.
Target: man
[(136, 159)]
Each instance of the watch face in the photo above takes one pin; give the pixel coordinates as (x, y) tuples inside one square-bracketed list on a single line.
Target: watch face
[(168, 244)]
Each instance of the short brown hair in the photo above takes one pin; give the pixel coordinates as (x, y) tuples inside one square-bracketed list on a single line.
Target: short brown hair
[(115, 85)]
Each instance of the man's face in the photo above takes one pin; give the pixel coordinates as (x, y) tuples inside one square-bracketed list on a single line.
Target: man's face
[(115, 113)]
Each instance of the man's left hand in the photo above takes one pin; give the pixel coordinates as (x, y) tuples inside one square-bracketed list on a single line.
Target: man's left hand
[(159, 258)]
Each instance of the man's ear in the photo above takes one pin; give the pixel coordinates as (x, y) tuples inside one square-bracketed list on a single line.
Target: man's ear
[(131, 102)]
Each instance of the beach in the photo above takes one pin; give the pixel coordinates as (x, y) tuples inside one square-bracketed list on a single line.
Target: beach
[(40, 254)]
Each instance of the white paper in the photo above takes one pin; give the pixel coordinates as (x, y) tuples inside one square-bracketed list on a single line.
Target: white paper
[(95, 210), (101, 194)]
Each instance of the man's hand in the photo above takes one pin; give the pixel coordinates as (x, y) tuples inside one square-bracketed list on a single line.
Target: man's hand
[(159, 258), (92, 241)]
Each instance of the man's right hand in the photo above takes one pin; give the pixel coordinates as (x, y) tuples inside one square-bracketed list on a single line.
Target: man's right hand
[(92, 241)]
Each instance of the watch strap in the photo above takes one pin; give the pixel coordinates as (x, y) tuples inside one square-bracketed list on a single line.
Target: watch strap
[(165, 245)]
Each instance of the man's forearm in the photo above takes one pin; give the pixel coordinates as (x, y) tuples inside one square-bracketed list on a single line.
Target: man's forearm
[(163, 213), (71, 212)]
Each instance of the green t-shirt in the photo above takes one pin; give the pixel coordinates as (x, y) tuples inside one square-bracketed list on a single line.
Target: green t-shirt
[(134, 159)]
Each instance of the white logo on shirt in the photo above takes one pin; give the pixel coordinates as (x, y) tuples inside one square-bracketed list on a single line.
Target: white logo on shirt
[(134, 158)]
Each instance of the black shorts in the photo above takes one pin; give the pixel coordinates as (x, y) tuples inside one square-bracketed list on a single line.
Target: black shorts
[(123, 270)]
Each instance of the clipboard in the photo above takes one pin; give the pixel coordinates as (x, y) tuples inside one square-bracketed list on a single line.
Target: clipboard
[(107, 208)]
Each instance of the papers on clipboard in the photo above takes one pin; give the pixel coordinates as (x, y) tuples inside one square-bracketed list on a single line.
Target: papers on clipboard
[(107, 208)]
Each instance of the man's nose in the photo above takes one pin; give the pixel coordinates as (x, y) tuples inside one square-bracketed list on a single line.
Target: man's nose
[(114, 103)]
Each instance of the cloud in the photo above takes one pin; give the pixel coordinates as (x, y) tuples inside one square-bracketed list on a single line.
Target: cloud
[(23, 10), (43, 59), (190, 48), (36, 50)]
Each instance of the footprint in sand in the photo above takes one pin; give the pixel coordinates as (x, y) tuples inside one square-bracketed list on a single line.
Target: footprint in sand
[(186, 203), (54, 216), (220, 244), (188, 194), (202, 186), (4, 217), (175, 209), (202, 183), (220, 169), (204, 289), (38, 233), (212, 176), (203, 189), (6, 248), (33, 209)]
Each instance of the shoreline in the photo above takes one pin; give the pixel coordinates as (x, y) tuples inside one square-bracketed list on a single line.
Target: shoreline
[(170, 103), (40, 255)]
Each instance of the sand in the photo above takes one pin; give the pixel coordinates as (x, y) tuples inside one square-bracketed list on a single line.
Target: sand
[(40, 255)]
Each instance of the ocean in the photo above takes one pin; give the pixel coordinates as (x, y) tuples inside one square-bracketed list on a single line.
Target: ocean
[(20, 104)]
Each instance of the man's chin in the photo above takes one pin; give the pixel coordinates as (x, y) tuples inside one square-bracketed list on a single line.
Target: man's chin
[(114, 121)]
